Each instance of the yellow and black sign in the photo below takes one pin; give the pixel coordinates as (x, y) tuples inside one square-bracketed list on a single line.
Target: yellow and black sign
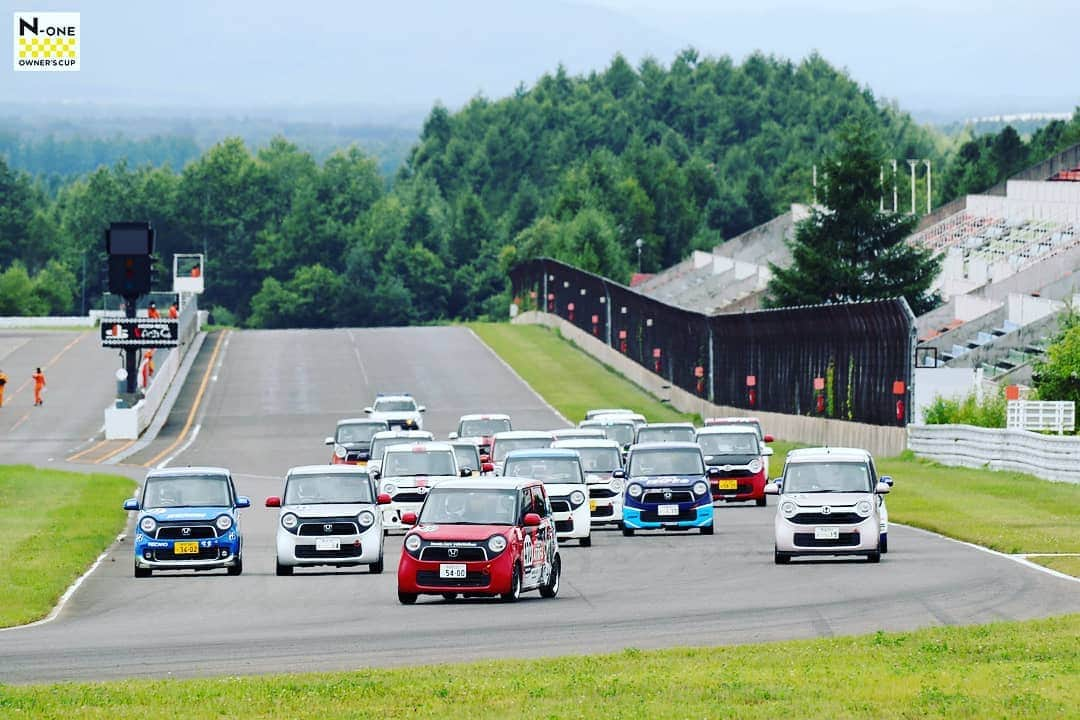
[(47, 41)]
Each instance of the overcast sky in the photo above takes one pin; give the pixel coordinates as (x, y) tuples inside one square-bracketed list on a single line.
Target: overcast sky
[(942, 59)]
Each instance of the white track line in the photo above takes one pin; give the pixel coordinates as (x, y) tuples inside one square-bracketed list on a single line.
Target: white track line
[(67, 593), (356, 350), (1015, 558), (513, 372)]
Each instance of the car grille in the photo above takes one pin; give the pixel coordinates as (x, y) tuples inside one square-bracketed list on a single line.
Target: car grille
[(601, 493), (308, 552), (564, 526), (560, 506), (358, 456), (603, 511), (409, 497), (309, 528), (176, 532), (655, 516), (656, 497), (403, 424), (732, 473), (430, 578), (808, 540), (170, 556), (442, 554), (842, 518)]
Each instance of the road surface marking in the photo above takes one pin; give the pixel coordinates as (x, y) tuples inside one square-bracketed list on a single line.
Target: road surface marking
[(117, 451), (52, 362), (20, 422), (87, 451)]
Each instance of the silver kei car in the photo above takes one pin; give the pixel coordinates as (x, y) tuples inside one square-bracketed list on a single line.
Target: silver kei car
[(329, 515), (828, 505)]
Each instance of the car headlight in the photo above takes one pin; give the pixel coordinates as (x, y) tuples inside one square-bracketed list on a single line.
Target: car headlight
[(223, 522), (412, 543), (340, 451), (148, 525), (389, 488), (577, 498), (496, 543), (634, 490), (366, 518), (700, 488), (754, 466), (616, 485), (787, 509), (863, 508), (288, 521)]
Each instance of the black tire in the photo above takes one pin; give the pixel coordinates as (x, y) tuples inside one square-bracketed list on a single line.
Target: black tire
[(762, 502), (884, 544), (781, 558), (627, 532), (707, 530), (237, 567), (406, 598), (282, 570), (586, 541), (376, 567), (449, 597), (551, 588), (874, 557), (143, 572), (515, 587)]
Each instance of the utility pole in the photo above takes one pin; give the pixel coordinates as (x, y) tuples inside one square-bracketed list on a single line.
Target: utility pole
[(928, 193), (913, 163), (895, 197)]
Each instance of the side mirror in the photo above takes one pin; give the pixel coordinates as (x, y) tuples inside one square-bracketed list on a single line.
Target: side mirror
[(713, 472), (772, 489), (532, 520), (768, 438), (408, 518), (368, 410), (421, 409), (453, 436), (131, 504), (619, 474), (328, 441), (242, 502), (376, 474), (887, 479), (882, 489), (767, 451), (383, 499), (487, 467), (273, 501), (466, 472)]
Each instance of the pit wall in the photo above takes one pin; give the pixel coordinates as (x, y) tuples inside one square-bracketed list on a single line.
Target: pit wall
[(880, 440)]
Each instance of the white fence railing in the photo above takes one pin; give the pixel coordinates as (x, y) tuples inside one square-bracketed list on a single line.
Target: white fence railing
[(1046, 456), (1056, 415)]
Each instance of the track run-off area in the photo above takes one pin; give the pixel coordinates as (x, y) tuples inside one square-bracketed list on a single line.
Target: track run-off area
[(259, 402)]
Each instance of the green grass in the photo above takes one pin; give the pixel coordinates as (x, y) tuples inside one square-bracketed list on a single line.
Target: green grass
[(1006, 670), (53, 525), (1009, 512), (1068, 564), (571, 381)]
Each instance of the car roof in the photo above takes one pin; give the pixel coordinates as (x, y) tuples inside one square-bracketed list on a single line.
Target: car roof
[(488, 483), (608, 411), (405, 434), (828, 453), (585, 443), (421, 447), (667, 425), (484, 416), (361, 421), (665, 446), (593, 432), (553, 453), (618, 414), (736, 429), (522, 434), (188, 470), (396, 396), (327, 470), (732, 419), (464, 444), (604, 420)]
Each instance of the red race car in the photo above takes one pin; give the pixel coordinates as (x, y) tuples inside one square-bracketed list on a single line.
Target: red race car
[(481, 538)]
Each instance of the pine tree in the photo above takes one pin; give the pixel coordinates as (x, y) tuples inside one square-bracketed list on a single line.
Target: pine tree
[(848, 250)]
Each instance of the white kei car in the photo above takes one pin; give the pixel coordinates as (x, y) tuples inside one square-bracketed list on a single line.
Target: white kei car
[(408, 472), (398, 411), (329, 515), (564, 483), (599, 460), (384, 439)]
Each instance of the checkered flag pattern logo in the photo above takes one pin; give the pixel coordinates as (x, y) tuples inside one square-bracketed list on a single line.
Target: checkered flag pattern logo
[(48, 47)]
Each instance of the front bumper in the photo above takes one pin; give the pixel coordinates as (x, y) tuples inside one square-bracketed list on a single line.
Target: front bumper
[(747, 487), (852, 538), (647, 518), (219, 552), (301, 551), (574, 524), (605, 506), (391, 514), (483, 577)]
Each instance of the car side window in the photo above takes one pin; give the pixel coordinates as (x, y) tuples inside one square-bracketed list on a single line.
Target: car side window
[(525, 502), (543, 508)]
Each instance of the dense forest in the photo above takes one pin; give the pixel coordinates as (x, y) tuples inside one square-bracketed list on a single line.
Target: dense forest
[(681, 156)]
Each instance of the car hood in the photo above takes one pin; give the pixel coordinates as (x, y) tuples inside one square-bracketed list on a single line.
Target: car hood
[(458, 533), (404, 414), (327, 510), (830, 498), (187, 513), (415, 480), (725, 459), (363, 445), (666, 480), (560, 489), (598, 478)]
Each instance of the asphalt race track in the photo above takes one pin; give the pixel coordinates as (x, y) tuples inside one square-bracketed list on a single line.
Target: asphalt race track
[(277, 394)]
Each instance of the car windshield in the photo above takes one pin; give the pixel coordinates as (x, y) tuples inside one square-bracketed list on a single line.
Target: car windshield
[(328, 489), (477, 428), (728, 443), (755, 424), (579, 434), (666, 462), (506, 445), (379, 445), (622, 433), (549, 470), (467, 456), (455, 506), (600, 459), (187, 491), (422, 462), (665, 434), (359, 433), (395, 406), (814, 477)]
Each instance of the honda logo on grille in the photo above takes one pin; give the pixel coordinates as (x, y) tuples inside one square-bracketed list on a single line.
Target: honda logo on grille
[(452, 552), (421, 490), (667, 494), (826, 510), (185, 532), (328, 528)]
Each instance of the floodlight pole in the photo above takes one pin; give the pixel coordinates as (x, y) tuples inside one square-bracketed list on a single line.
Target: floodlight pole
[(912, 163), (928, 194)]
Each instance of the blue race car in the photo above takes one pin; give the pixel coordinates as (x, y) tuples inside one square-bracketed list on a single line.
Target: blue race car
[(666, 488), (188, 520)]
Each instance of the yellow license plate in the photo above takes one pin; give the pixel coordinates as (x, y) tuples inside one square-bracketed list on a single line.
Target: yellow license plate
[(592, 505), (186, 548), (728, 484)]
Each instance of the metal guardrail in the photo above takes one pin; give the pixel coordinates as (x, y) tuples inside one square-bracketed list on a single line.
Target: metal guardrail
[(1056, 415), (860, 354)]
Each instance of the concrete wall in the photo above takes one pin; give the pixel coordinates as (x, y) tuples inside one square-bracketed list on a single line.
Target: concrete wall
[(950, 383), (1046, 456), (882, 441)]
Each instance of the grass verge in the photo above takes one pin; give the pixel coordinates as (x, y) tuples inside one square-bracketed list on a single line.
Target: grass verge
[(1068, 564), (1006, 670), (53, 525), (1009, 512)]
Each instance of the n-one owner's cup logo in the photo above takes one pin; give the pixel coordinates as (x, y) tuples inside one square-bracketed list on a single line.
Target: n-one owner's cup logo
[(47, 41)]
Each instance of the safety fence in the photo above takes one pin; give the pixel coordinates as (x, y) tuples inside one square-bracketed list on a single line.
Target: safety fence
[(849, 361)]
